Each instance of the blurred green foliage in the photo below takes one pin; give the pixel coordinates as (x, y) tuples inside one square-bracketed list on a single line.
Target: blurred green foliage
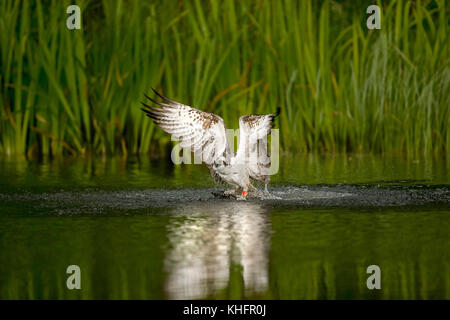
[(342, 87)]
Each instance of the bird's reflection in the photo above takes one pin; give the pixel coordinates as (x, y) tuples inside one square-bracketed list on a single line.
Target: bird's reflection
[(207, 240)]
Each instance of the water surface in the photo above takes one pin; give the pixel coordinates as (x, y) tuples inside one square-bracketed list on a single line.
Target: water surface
[(145, 229)]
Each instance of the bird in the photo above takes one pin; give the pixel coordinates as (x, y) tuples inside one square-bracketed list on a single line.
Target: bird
[(205, 134)]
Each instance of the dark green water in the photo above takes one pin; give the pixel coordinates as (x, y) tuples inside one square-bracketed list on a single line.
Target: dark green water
[(142, 229)]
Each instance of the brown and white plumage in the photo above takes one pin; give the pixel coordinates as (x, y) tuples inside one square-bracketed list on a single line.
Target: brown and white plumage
[(253, 147), (205, 134)]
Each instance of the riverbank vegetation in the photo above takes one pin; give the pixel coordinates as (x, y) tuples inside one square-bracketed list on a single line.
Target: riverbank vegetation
[(342, 87)]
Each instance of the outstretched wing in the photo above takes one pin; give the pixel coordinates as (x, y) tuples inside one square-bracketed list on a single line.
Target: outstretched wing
[(201, 131), (252, 150)]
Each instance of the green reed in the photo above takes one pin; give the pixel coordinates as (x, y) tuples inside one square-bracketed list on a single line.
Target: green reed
[(342, 87)]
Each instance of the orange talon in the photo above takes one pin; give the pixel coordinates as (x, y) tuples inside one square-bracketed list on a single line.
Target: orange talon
[(244, 193)]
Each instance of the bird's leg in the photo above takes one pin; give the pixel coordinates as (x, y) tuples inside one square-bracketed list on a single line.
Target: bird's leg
[(255, 190), (243, 195), (267, 194)]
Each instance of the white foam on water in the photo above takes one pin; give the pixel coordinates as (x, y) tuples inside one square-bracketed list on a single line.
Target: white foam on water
[(303, 193)]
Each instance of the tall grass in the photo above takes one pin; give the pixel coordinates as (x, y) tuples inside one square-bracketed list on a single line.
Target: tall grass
[(342, 87)]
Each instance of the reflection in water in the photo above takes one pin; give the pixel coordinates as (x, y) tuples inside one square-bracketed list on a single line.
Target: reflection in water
[(207, 241), (136, 236)]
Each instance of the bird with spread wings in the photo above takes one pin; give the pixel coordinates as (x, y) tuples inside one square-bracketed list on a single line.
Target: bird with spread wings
[(205, 134)]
